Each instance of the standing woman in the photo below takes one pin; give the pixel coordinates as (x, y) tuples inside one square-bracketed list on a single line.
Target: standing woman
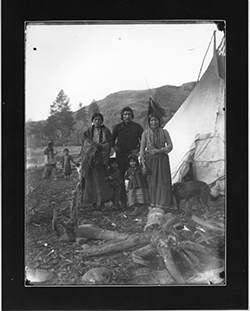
[(155, 146), (96, 144)]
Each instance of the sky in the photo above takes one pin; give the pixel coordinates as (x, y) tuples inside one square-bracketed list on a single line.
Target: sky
[(92, 61)]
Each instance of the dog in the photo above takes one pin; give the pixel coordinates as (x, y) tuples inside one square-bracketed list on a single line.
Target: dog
[(190, 189)]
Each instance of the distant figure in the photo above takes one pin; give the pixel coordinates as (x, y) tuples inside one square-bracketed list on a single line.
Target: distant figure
[(126, 141), (67, 158), (96, 144), (137, 185), (155, 146), (115, 181), (50, 161)]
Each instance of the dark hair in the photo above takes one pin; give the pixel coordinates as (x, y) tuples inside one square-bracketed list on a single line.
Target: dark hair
[(155, 115), (112, 160), (97, 114), (133, 157), (127, 109), (65, 149), (50, 142)]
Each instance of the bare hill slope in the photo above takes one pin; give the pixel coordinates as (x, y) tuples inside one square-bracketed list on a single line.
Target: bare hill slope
[(169, 97)]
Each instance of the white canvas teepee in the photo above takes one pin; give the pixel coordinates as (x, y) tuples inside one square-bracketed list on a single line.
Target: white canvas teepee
[(197, 128)]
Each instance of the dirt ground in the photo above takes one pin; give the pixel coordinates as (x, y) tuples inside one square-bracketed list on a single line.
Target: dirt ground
[(63, 260)]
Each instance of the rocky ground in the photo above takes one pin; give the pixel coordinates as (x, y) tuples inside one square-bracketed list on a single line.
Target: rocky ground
[(54, 262)]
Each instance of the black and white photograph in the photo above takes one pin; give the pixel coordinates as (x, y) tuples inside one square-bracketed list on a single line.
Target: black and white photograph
[(125, 153)]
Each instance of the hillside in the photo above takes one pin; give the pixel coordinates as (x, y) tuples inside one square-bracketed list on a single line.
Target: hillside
[(169, 97)]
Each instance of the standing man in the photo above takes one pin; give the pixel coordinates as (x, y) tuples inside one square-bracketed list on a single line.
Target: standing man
[(126, 139), (49, 161)]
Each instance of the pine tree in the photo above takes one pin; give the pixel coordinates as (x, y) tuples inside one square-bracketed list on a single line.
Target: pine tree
[(61, 118), (50, 130)]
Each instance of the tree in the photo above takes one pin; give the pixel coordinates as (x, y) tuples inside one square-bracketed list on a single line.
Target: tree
[(61, 118), (50, 130), (33, 132)]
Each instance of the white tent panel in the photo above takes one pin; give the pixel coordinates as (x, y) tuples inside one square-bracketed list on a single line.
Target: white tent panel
[(208, 160), (200, 116)]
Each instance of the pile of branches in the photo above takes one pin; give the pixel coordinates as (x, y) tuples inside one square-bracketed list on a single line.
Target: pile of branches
[(188, 247)]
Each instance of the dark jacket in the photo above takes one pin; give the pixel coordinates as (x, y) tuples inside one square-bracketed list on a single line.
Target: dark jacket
[(136, 178), (115, 179), (127, 136)]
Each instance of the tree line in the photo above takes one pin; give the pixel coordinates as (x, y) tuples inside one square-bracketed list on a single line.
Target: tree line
[(62, 125)]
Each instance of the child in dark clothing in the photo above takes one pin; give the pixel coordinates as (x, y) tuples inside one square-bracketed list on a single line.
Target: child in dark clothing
[(67, 158), (137, 185), (115, 181)]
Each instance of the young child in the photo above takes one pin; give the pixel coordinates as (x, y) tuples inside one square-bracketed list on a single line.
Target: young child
[(115, 181), (67, 158), (137, 186)]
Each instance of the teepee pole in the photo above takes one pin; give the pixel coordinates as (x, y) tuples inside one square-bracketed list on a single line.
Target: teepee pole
[(213, 36)]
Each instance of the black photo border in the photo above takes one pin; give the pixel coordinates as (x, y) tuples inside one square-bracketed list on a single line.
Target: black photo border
[(17, 297)]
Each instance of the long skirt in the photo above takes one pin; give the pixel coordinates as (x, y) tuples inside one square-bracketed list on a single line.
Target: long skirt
[(137, 196), (67, 168), (96, 189), (159, 180)]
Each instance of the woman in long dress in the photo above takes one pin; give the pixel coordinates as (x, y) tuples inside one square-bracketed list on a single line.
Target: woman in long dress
[(156, 143), (96, 144)]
